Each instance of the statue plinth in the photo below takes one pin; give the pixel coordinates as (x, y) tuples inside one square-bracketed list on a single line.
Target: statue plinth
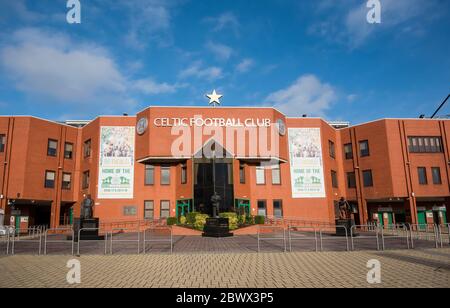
[(217, 227), (347, 223), (89, 229)]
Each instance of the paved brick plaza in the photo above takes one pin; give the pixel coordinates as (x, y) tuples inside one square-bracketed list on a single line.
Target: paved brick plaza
[(400, 268)]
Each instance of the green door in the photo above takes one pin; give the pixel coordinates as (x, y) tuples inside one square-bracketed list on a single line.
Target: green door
[(71, 216), (243, 207), (421, 218), (380, 219), (183, 207), (444, 217), (17, 221)]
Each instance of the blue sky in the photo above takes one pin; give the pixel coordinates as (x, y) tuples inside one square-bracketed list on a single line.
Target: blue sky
[(319, 58)]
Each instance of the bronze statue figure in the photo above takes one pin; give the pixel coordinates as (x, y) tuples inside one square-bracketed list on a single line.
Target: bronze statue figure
[(86, 208)]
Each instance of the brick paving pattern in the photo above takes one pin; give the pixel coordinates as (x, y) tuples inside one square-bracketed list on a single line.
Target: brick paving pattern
[(400, 268)]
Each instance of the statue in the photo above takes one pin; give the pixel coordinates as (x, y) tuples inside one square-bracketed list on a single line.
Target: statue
[(86, 208), (344, 209)]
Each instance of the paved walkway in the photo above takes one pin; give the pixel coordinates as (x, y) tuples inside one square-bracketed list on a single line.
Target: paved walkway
[(400, 268)]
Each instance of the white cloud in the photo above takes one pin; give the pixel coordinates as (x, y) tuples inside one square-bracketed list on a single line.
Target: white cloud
[(53, 67), (197, 70), (352, 97), (149, 20), (221, 51), (43, 63), (149, 86), (307, 95), (226, 20), (347, 21), (245, 65)]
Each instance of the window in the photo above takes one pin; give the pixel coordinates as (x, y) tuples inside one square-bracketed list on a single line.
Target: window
[(50, 179), (149, 210), (332, 149), (129, 211), (262, 209), (351, 180), (425, 144), (165, 175), (52, 146), (242, 173), (87, 148), (67, 181), (364, 148), (165, 209), (68, 150), (334, 180), (348, 151), (149, 175), (367, 178), (278, 208), (85, 180), (260, 175), (2, 143), (437, 179), (422, 171), (183, 174), (276, 175)]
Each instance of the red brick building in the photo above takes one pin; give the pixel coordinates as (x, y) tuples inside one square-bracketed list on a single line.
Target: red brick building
[(138, 167)]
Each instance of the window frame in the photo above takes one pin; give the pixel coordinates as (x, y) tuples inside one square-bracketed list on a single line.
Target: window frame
[(2, 143), (147, 168), (161, 208), (46, 180), (49, 148), (87, 148), (265, 207), (146, 210), (424, 180), (161, 169), (184, 174), (241, 173), (365, 184), (281, 207), (263, 170), (361, 153), (438, 169), (353, 176), (332, 149), (85, 184), (69, 187), (65, 150), (348, 155), (278, 167), (334, 179)]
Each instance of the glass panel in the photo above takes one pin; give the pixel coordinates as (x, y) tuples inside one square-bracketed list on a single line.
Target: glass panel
[(260, 175), (276, 175), (165, 175)]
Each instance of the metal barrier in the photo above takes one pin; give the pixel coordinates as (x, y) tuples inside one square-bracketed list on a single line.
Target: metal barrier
[(426, 232), (138, 241), (334, 237), (46, 241), (17, 238), (92, 241), (158, 240), (271, 238), (293, 229), (367, 229), (441, 230), (394, 231)]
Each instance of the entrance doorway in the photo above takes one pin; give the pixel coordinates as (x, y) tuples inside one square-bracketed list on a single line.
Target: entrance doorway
[(205, 184), (183, 208)]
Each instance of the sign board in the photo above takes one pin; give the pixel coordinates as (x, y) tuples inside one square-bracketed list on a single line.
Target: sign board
[(24, 219), (306, 163), (116, 163), (439, 208), (429, 214)]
